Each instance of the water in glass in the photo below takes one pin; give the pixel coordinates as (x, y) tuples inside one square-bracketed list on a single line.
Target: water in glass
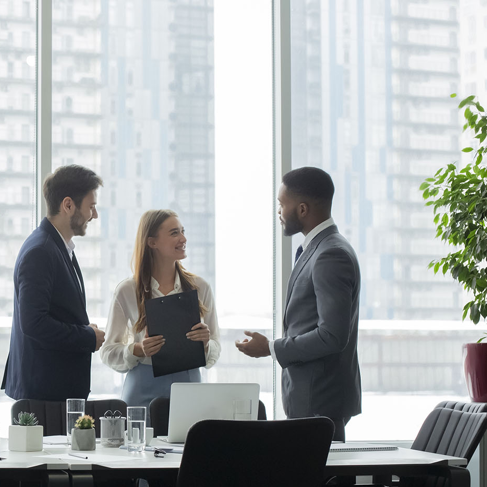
[(135, 435), (71, 418)]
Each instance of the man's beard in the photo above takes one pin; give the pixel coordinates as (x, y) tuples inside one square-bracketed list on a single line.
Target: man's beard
[(77, 223), (292, 225)]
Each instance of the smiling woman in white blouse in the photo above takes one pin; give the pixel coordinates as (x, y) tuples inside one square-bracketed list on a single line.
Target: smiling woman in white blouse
[(160, 246)]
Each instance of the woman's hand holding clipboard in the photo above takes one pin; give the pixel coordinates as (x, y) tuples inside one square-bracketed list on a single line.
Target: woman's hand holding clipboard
[(174, 317)]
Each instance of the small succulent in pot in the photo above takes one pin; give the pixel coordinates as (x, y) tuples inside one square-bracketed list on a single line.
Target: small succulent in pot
[(25, 434), (85, 422), (26, 419), (83, 434)]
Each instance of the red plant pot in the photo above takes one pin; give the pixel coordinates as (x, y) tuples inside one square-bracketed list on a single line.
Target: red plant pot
[(475, 366)]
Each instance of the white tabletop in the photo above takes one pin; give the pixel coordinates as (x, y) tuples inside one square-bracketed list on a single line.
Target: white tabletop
[(399, 456), (55, 457)]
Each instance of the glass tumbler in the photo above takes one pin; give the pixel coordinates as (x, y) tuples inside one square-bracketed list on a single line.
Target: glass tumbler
[(74, 409), (136, 418)]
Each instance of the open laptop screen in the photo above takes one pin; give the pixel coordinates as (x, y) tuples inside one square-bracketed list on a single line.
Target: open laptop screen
[(192, 402)]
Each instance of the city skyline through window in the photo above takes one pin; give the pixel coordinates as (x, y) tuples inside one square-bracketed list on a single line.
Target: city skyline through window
[(171, 103)]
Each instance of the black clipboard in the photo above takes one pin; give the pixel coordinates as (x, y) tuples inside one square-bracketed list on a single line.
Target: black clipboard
[(172, 317)]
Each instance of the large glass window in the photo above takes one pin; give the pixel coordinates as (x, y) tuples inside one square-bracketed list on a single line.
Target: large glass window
[(17, 154), (370, 105), (168, 103), (171, 103)]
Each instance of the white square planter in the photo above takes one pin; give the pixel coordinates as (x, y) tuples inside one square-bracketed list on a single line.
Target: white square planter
[(25, 438)]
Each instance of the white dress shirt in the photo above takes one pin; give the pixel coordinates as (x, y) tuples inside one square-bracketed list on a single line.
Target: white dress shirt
[(69, 245), (307, 240), (118, 350)]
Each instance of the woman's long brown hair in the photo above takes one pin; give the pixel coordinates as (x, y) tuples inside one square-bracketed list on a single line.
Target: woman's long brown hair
[(142, 262)]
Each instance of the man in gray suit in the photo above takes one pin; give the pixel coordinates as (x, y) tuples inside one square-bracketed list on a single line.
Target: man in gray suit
[(318, 352)]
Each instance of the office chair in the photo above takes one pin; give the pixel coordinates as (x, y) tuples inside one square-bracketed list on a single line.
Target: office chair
[(288, 453), (159, 414), (52, 414), (451, 430), (469, 407)]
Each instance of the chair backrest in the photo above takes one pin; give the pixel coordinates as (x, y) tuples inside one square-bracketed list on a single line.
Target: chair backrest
[(52, 414), (159, 415), (451, 432), (469, 407), (293, 452)]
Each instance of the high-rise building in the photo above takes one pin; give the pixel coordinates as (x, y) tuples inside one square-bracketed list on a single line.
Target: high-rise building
[(371, 86), (133, 100), (422, 137), (473, 48), (17, 137)]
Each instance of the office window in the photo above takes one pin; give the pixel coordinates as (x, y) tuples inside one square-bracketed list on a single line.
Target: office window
[(17, 157), (186, 108), (408, 316), (132, 95)]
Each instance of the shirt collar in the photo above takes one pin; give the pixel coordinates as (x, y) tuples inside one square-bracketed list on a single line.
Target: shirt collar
[(316, 230), (177, 285), (69, 245)]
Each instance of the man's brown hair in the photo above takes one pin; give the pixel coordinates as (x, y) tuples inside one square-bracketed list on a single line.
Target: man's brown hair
[(71, 181)]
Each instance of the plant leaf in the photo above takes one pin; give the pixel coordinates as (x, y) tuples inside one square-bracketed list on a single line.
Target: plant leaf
[(466, 101)]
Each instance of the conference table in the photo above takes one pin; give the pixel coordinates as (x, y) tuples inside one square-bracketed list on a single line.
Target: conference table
[(56, 467)]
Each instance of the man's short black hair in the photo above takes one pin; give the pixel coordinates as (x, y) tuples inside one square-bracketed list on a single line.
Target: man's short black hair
[(311, 183), (69, 181)]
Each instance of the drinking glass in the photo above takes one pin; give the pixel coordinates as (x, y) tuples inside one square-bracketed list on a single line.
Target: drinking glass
[(136, 428), (74, 409)]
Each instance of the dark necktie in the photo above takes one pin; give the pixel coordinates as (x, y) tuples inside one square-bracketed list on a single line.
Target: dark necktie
[(299, 251), (77, 270)]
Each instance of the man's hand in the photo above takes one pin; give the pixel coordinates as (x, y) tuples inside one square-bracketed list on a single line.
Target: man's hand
[(257, 347), (199, 333), (149, 345), (100, 336)]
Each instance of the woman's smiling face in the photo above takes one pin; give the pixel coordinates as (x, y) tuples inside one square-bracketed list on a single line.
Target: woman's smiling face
[(170, 241)]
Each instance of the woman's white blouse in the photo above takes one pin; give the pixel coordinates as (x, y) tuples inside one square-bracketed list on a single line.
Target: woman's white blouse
[(117, 351)]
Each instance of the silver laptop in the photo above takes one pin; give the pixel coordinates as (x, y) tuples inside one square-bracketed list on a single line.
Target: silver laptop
[(192, 402)]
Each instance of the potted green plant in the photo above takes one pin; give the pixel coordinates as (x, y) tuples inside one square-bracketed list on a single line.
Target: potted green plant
[(459, 198), (26, 434), (83, 434)]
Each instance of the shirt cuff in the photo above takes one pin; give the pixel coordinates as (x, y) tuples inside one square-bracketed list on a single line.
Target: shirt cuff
[(210, 355), (129, 358), (271, 348)]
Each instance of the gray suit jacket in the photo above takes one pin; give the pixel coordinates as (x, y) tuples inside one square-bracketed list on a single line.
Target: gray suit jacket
[(318, 353)]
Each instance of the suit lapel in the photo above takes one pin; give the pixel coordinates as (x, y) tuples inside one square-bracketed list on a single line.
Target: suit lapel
[(80, 276), (48, 227), (303, 260)]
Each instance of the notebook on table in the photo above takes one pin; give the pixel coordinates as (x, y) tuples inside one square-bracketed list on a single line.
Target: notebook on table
[(358, 447)]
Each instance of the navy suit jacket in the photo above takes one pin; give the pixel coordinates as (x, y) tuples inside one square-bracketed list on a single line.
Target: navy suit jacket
[(50, 344)]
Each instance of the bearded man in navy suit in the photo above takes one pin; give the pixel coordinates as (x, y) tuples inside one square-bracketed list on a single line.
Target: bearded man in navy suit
[(52, 338), (318, 350)]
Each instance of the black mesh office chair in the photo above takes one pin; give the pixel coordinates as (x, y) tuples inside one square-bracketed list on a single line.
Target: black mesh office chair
[(220, 453), (52, 414), (159, 414)]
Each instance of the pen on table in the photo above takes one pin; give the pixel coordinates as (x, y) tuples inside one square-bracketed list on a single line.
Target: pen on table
[(78, 456)]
